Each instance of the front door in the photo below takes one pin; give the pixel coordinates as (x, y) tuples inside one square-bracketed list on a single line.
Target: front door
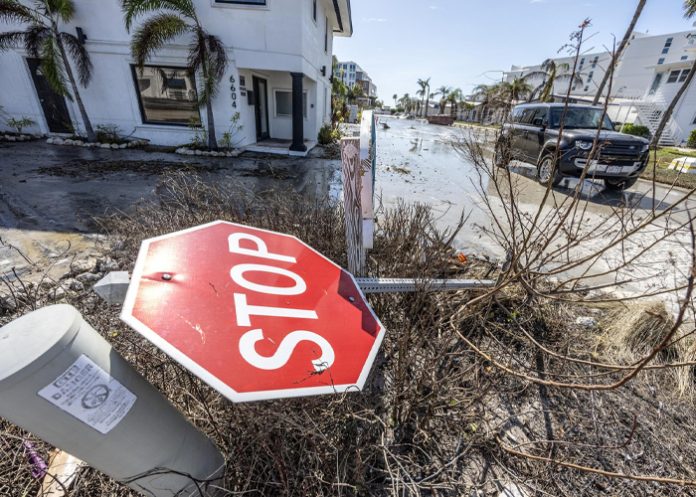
[(261, 92), (54, 109)]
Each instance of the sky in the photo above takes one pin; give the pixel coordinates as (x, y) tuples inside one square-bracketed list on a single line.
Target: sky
[(463, 43)]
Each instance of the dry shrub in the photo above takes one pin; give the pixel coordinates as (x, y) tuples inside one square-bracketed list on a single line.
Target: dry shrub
[(432, 416), (633, 329)]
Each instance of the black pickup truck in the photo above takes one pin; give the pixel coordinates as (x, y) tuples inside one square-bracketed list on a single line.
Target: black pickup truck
[(533, 136)]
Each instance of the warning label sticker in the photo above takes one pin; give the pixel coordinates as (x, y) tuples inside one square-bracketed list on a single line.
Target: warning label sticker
[(90, 394)]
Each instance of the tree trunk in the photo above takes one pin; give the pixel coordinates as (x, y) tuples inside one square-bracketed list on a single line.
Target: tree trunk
[(619, 52), (91, 135), (427, 103), (212, 139), (673, 105)]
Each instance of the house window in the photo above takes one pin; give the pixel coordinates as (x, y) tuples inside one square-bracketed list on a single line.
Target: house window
[(589, 76), (669, 41), (243, 2), (314, 10), (167, 95), (684, 74), (661, 61), (283, 103), (586, 89), (656, 83), (673, 77), (326, 36), (684, 57)]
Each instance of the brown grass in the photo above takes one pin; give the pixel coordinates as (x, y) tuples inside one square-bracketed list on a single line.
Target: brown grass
[(429, 421)]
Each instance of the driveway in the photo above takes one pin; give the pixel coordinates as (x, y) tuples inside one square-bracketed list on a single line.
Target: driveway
[(50, 195)]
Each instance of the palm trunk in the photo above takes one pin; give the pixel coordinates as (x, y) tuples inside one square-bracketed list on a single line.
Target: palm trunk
[(91, 136), (427, 103), (673, 105), (212, 139), (619, 52)]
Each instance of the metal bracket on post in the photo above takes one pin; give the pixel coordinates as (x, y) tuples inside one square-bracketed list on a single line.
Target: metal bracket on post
[(112, 288), (396, 285)]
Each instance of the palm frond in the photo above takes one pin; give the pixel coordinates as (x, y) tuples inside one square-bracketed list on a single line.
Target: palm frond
[(689, 8), (132, 9), (80, 57), (154, 34), (218, 57), (34, 38), (12, 11), (12, 39), (52, 68), (64, 9)]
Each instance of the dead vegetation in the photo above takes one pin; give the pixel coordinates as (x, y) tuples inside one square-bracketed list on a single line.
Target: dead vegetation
[(464, 400)]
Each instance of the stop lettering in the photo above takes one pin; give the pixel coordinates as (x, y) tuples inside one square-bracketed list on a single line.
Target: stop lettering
[(255, 314)]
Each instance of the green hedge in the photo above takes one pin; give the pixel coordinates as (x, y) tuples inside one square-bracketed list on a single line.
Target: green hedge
[(636, 130), (692, 140)]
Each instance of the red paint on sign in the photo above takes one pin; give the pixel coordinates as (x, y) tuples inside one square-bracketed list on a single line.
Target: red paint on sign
[(255, 314)]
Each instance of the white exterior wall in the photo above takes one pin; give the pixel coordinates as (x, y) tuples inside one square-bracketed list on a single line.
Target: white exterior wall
[(271, 41)]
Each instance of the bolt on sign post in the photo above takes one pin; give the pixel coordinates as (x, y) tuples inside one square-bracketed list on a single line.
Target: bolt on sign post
[(255, 314), (60, 380)]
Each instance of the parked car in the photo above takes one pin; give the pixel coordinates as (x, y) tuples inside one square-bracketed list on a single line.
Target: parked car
[(533, 136)]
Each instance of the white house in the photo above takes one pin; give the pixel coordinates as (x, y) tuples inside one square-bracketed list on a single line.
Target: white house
[(646, 79), (278, 78)]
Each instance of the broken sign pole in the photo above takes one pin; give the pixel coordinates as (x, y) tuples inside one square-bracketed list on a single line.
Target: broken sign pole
[(112, 288)]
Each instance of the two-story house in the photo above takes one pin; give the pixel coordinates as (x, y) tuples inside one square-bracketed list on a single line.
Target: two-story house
[(279, 52)]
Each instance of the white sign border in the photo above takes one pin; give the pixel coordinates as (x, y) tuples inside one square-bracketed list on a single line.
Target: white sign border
[(231, 394)]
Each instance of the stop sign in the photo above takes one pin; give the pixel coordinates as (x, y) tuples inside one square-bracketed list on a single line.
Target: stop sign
[(255, 314)]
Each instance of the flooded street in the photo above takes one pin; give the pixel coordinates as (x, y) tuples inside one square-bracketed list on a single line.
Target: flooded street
[(50, 196)]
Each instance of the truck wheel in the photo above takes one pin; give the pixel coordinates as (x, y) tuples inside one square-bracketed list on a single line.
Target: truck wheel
[(547, 173), (619, 184)]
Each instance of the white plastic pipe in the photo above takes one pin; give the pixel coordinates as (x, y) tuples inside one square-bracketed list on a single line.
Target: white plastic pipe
[(60, 380)]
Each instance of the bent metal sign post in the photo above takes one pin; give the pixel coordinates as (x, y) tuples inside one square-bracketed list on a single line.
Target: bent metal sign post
[(255, 314)]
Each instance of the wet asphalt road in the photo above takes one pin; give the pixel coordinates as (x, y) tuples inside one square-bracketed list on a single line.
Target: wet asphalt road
[(51, 193), (61, 189)]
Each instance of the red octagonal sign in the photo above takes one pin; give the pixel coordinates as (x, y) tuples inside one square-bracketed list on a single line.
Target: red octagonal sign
[(255, 314)]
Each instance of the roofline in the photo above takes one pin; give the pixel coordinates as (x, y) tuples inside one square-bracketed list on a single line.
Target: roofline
[(344, 17)]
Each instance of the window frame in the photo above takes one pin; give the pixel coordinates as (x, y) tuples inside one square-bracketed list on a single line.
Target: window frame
[(141, 106), (326, 35), (305, 94), (683, 75), (242, 3), (315, 10), (660, 61), (675, 74)]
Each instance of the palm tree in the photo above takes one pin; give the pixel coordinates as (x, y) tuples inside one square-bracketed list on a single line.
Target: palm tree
[(396, 100), (487, 95), (620, 50), (43, 40), (551, 72), (455, 96), (444, 92), (424, 93), (689, 12), (518, 90), (354, 93), (171, 19)]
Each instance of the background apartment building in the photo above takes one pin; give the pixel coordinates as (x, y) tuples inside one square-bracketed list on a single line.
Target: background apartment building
[(646, 79), (278, 51), (352, 74)]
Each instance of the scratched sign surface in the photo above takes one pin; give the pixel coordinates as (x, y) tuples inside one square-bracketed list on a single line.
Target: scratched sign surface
[(255, 314)]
